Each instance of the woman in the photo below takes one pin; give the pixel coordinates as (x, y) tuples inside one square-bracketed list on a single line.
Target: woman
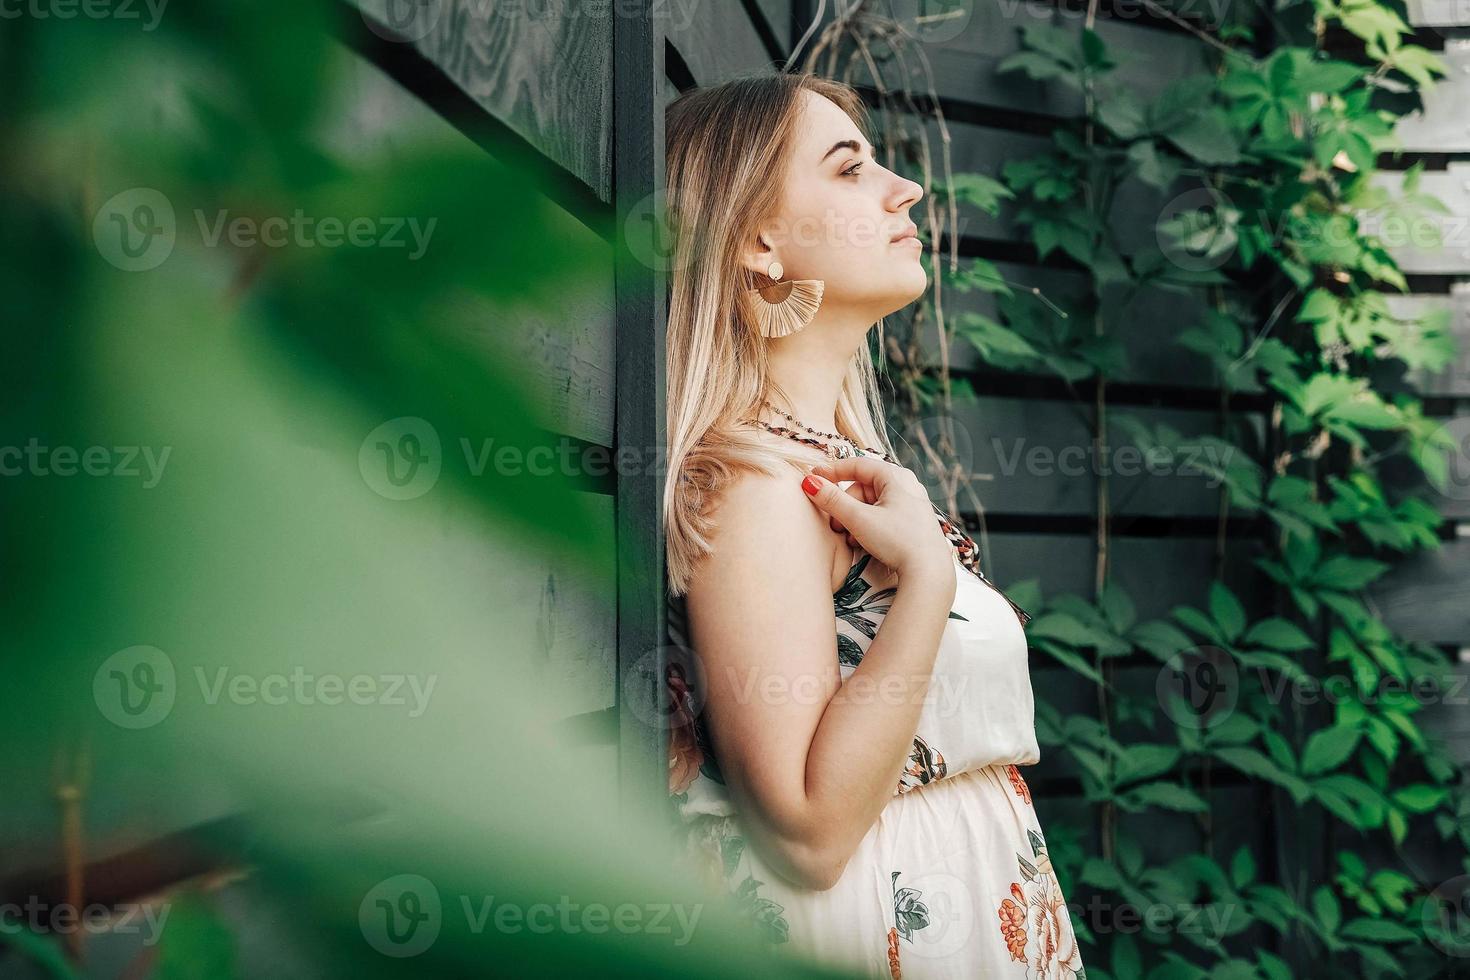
[(846, 736)]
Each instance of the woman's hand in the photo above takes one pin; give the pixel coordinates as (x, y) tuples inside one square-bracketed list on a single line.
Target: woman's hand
[(887, 511)]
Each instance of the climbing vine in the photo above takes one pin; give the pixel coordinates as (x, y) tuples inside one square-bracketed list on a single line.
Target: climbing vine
[(1281, 138)]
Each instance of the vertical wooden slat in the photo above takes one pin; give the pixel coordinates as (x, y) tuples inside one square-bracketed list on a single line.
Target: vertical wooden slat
[(638, 171)]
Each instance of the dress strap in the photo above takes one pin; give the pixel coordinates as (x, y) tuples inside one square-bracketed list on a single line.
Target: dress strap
[(969, 554)]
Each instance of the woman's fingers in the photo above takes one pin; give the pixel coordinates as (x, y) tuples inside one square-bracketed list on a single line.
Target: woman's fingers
[(855, 490), (863, 469)]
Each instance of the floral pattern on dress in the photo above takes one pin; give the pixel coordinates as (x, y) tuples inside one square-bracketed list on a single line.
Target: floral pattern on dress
[(717, 850), (1035, 923), (909, 916), (925, 765), (854, 602), (1019, 784), (686, 756)]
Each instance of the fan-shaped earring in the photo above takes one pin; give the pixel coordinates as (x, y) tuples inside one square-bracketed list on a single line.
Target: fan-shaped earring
[(782, 308)]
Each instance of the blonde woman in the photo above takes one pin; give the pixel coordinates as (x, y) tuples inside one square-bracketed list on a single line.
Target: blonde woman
[(849, 725)]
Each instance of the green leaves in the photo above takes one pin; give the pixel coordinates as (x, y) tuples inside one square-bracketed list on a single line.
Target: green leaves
[(1169, 796), (1288, 145), (1327, 749), (984, 192), (1058, 53), (1313, 580)]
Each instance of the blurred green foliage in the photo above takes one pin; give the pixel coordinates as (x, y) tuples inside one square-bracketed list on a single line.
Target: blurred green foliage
[(252, 378)]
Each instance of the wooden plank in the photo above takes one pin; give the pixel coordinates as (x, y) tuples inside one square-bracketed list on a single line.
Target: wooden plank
[(1159, 573), (1439, 13), (1413, 244), (1404, 476), (1454, 379), (1441, 126), (1137, 206), (543, 70), (1427, 596), (1149, 324), (1035, 457), (718, 41), (964, 57), (778, 15), (642, 314), (564, 355)]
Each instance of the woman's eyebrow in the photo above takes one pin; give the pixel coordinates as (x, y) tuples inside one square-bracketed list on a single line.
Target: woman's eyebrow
[(853, 145)]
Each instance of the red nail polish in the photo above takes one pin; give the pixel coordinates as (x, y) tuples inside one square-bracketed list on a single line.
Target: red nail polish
[(810, 484)]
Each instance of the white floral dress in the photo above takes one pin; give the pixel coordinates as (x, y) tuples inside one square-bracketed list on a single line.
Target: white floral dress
[(953, 879)]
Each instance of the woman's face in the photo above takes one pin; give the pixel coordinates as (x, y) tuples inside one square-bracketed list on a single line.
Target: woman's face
[(843, 219)]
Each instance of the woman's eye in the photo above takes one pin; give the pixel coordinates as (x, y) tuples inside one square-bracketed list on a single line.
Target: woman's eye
[(852, 170)]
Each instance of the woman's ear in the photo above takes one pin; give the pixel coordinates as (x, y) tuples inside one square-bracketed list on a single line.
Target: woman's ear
[(759, 256)]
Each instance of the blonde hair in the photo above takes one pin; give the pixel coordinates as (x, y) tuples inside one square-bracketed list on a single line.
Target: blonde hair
[(728, 149)]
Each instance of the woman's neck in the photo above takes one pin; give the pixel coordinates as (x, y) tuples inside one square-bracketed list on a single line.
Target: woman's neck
[(810, 366)]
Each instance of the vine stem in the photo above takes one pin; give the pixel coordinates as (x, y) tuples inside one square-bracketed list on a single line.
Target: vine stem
[(71, 773)]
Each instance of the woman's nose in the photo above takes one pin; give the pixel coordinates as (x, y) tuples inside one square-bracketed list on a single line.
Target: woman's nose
[(908, 194)]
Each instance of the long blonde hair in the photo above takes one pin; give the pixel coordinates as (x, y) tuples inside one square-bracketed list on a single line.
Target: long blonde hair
[(728, 149)]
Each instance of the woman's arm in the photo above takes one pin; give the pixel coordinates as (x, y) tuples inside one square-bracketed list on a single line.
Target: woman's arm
[(809, 761)]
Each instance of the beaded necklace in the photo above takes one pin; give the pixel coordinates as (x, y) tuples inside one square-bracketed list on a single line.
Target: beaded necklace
[(964, 545)]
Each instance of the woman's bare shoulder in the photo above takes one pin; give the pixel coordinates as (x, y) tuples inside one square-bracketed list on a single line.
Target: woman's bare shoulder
[(763, 518)]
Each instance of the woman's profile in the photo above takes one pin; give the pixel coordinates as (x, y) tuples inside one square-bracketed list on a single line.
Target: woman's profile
[(857, 702)]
